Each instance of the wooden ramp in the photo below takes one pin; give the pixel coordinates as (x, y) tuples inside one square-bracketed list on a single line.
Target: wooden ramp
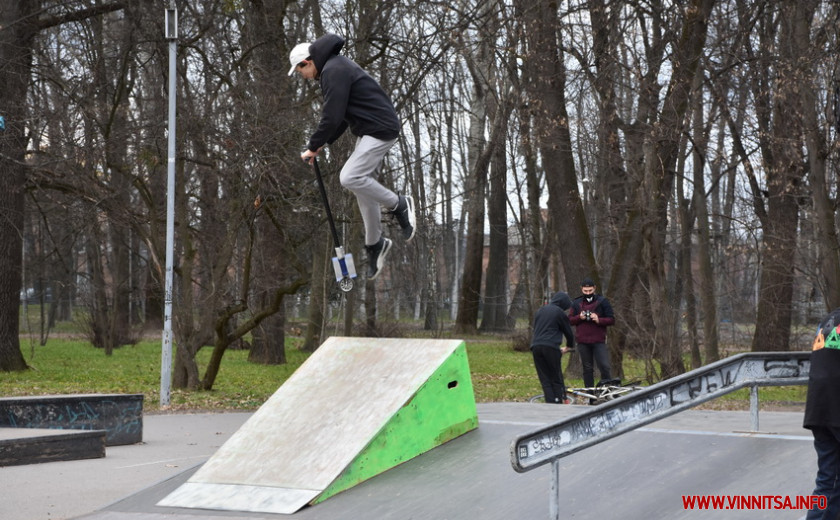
[(355, 408)]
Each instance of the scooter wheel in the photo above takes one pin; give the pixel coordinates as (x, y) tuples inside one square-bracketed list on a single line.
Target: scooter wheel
[(346, 284)]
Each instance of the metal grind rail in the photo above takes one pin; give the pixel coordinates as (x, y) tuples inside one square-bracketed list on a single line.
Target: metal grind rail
[(550, 443)]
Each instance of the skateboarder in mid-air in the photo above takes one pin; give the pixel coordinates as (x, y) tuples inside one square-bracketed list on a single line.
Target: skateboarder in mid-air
[(354, 99)]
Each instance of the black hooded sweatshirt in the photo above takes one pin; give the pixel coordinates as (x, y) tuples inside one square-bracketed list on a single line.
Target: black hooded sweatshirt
[(822, 405), (551, 324), (351, 97)]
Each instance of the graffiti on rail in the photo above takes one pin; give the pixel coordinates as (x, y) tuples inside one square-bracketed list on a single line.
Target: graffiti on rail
[(122, 419), (705, 384), (786, 368), (717, 382), (595, 425), (634, 409)]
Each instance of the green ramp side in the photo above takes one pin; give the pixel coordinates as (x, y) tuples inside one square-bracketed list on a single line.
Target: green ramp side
[(442, 409)]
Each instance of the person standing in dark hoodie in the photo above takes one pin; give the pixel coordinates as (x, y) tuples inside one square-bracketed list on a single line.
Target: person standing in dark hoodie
[(822, 414), (353, 99), (551, 325)]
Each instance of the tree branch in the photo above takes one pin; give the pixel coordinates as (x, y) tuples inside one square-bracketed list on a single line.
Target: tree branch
[(45, 22)]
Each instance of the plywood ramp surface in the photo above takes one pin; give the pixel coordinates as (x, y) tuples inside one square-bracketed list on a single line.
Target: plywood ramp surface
[(315, 425)]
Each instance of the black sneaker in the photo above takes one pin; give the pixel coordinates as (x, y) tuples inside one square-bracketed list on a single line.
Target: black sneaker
[(404, 212), (376, 257)]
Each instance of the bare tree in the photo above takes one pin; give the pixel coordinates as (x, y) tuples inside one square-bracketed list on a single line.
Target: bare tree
[(817, 139), (780, 124), (20, 24), (480, 63), (496, 297), (546, 88)]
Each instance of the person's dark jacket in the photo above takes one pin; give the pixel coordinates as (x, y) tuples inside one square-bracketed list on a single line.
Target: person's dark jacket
[(822, 405), (351, 97), (551, 324), (588, 331)]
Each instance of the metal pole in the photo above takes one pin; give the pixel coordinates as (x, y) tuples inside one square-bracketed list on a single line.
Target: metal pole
[(754, 407), (326, 201), (171, 27), (554, 494)]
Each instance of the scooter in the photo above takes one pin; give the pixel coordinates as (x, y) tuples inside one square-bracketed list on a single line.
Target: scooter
[(345, 269)]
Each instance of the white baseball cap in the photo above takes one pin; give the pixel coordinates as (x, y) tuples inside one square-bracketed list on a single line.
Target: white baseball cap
[(298, 54)]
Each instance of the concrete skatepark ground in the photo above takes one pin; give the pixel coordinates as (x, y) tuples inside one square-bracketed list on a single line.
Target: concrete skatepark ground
[(642, 474)]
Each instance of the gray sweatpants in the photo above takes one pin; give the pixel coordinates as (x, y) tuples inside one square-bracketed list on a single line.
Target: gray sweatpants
[(359, 176)]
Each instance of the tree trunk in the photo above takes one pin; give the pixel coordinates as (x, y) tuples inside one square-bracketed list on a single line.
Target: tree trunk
[(97, 302), (478, 160), (610, 177), (191, 330), (708, 295), (494, 317), (785, 174), (321, 270), (18, 22), (270, 271), (546, 87), (370, 329), (685, 278), (113, 121), (537, 229), (661, 167), (688, 281), (471, 284), (267, 347), (828, 242)]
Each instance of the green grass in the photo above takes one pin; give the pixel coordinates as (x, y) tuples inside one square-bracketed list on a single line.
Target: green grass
[(499, 373), (73, 366)]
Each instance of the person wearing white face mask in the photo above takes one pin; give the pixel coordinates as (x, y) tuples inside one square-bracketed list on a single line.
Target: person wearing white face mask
[(591, 314)]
